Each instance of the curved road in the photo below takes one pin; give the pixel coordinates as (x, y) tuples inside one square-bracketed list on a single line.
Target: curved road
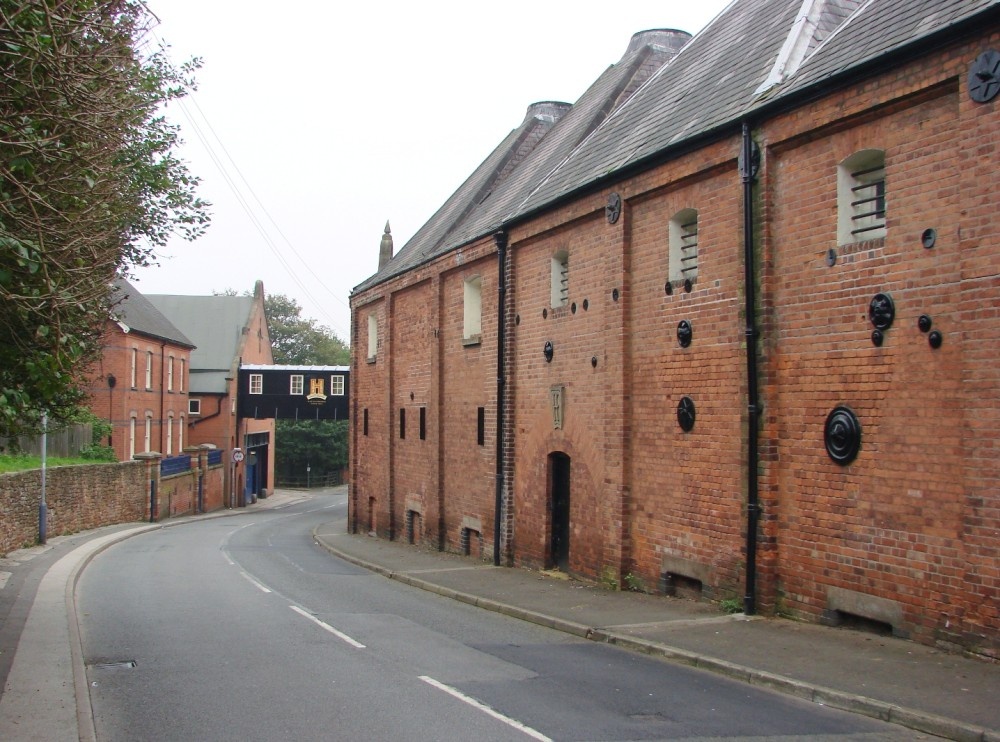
[(242, 628)]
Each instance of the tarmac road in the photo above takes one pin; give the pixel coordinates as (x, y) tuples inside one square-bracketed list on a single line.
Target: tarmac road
[(246, 629), (917, 688)]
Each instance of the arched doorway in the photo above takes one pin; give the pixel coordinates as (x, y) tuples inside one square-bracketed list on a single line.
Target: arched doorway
[(559, 469)]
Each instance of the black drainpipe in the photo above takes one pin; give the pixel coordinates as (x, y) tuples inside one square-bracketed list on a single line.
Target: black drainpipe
[(749, 162), (500, 238)]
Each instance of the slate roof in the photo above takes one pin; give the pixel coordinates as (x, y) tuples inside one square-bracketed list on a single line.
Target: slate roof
[(719, 78), (215, 324), (494, 191), (878, 28), (132, 309), (706, 87)]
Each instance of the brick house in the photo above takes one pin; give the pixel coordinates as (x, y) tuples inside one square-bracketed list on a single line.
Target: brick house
[(226, 331), (140, 382), (554, 370)]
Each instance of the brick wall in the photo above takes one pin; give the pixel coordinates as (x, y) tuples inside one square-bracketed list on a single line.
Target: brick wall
[(124, 402), (687, 488), (78, 498), (370, 470), (414, 485), (907, 534), (468, 383), (897, 524)]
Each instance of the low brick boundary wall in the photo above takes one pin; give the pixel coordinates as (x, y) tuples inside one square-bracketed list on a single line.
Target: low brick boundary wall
[(78, 498)]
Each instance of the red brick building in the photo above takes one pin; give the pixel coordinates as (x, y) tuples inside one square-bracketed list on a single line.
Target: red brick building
[(141, 380), (226, 331), (728, 324), (165, 389)]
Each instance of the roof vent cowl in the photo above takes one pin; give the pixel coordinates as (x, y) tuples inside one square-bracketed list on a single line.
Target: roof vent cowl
[(549, 110), (668, 39)]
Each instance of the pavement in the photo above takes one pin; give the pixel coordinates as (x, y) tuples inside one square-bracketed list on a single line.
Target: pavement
[(919, 688)]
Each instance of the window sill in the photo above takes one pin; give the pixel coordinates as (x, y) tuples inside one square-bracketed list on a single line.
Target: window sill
[(472, 340), (370, 360)]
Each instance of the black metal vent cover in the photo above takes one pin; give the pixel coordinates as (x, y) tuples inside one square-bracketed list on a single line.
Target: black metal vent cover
[(685, 332), (984, 77), (685, 414), (842, 435), (881, 311)]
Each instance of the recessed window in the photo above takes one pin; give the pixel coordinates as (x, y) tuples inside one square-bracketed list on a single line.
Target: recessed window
[(148, 438), (861, 197), (180, 435), (402, 423), (473, 309), (131, 436), (296, 384), (256, 383), (337, 386), (372, 336), (149, 371), (170, 374), (180, 381), (683, 238), (481, 426), (364, 423), (423, 423), (170, 434), (133, 370), (194, 406), (560, 279)]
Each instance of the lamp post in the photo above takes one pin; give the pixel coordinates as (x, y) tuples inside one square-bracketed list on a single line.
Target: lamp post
[(43, 509)]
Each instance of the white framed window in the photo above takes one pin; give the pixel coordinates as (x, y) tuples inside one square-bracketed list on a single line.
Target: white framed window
[(296, 384), (149, 371), (131, 436), (181, 380), (194, 406), (861, 197), (170, 434), (256, 383), (473, 308), (337, 386), (560, 279), (148, 437), (180, 435), (135, 362), (372, 336), (170, 374), (683, 239)]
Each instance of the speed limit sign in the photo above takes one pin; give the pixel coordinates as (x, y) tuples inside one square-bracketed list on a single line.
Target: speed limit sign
[(237, 455)]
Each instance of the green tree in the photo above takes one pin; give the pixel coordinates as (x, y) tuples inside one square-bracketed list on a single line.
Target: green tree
[(89, 186), (300, 341), (320, 445)]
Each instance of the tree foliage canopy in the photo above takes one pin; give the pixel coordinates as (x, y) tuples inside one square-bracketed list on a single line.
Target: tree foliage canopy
[(89, 185), (320, 445), (301, 341)]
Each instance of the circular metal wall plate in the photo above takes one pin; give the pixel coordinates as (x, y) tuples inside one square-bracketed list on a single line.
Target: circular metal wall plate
[(842, 435), (984, 77)]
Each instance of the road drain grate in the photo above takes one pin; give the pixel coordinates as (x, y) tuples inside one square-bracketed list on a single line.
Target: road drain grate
[(113, 665)]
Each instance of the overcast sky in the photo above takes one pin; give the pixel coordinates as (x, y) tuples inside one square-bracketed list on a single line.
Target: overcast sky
[(316, 121)]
